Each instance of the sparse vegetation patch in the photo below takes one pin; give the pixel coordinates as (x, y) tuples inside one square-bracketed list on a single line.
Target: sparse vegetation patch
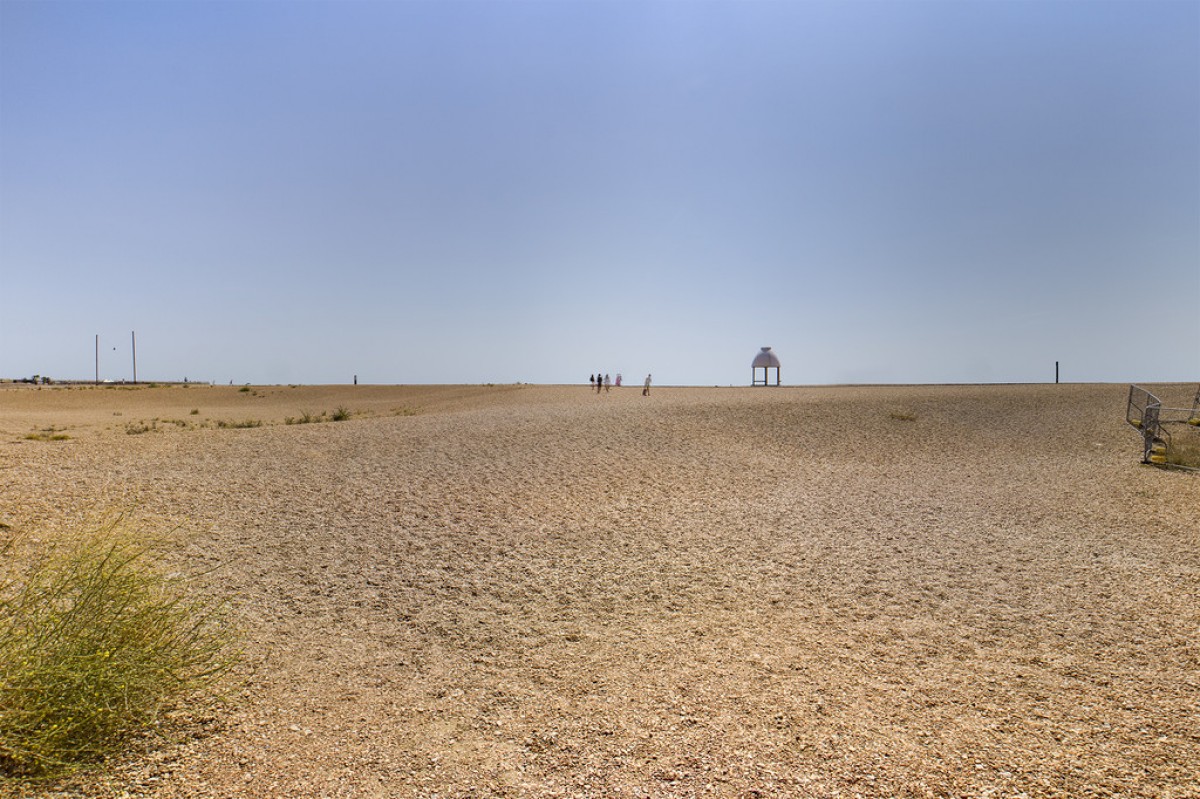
[(223, 424), (1184, 450), (47, 434), (308, 417)]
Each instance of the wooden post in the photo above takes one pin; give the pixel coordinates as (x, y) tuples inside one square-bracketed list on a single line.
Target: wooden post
[(133, 339), (1056, 372)]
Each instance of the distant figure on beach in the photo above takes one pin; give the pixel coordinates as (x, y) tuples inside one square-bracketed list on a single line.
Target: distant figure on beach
[(607, 383), (618, 379), (646, 387), (599, 383), (592, 381)]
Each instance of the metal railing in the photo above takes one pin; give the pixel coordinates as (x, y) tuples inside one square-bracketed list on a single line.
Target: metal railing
[(1145, 411)]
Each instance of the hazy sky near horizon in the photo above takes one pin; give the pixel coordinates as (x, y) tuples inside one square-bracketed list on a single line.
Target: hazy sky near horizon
[(421, 192)]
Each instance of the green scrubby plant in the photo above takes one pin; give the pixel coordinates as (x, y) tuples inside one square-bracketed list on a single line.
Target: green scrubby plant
[(47, 434), (96, 640), (306, 417), (221, 423), (341, 414)]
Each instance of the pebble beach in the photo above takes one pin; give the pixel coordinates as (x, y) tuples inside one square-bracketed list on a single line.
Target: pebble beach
[(541, 591)]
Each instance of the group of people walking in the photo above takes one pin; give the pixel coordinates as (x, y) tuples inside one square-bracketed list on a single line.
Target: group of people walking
[(602, 382)]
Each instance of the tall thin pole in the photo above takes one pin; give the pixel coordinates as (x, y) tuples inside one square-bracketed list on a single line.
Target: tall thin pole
[(133, 338), (1056, 371), (97, 359)]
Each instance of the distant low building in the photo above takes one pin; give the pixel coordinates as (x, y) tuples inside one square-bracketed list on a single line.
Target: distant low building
[(765, 360)]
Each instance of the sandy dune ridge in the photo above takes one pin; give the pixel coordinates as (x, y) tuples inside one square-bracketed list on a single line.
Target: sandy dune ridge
[(534, 591)]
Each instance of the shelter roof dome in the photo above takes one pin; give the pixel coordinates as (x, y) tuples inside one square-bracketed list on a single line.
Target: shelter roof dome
[(766, 358)]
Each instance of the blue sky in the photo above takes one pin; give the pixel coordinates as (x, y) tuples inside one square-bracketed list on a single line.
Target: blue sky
[(420, 192)]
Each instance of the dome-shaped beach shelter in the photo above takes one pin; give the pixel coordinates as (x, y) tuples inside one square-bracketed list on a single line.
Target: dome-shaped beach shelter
[(765, 360)]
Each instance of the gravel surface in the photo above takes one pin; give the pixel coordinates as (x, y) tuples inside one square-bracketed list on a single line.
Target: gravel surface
[(535, 591)]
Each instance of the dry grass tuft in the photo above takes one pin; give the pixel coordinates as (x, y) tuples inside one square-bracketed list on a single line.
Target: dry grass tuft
[(95, 641), (47, 434), (245, 423), (1185, 449)]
